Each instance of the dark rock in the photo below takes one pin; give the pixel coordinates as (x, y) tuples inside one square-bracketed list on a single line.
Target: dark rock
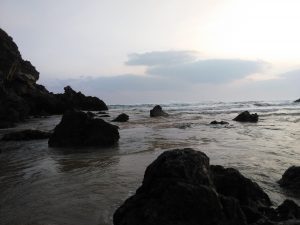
[(78, 129), (21, 96), (246, 117), (288, 210), (219, 122), (177, 189), (298, 100), (157, 111), (291, 179), (91, 114), (77, 100), (26, 135), (230, 182), (121, 118)]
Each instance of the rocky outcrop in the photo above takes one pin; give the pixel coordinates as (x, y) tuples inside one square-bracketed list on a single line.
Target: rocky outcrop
[(247, 117), (219, 122), (78, 129), (180, 187), (291, 179), (121, 118), (157, 111), (26, 135), (21, 96), (298, 100), (77, 100)]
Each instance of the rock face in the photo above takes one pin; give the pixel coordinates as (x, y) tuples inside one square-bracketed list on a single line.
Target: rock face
[(121, 118), (291, 179), (219, 122), (21, 96), (78, 129), (77, 100), (26, 135), (247, 117), (157, 111), (180, 187)]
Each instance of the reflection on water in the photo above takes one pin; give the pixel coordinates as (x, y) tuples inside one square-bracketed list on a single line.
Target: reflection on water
[(41, 185)]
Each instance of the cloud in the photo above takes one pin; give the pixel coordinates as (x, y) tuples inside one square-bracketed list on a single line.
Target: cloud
[(185, 65), (210, 71), (161, 58)]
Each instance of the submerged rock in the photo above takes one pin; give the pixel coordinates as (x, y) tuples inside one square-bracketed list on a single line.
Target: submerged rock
[(121, 118), (26, 135), (219, 122), (157, 111), (246, 117), (291, 179), (78, 129)]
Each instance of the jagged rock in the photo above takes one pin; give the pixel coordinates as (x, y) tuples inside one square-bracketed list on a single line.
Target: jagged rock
[(177, 189), (157, 111), (121, 118), (230, 182), (291, 179), (77, 100), (288, 210), (78, 129), (21, 96), (26, 135), (246, 117), (219, 122)]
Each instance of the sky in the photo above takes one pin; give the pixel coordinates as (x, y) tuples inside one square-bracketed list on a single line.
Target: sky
[(156, 51)]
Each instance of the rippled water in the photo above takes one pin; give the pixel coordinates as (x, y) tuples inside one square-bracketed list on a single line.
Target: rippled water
[(41, 185)]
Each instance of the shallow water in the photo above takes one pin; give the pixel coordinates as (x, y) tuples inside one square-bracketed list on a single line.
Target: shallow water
[(41, 185)]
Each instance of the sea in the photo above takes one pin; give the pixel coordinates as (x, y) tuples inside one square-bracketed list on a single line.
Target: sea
[(40, 185)]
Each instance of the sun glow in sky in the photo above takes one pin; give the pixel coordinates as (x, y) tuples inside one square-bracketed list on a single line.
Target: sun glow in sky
[(253, 42)]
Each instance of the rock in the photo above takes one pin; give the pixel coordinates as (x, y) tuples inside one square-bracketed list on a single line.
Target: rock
[(121, 118), (26, 135), (157, 111), (219, 122), (101, 113), (77, 100), (78, 129), (291, 179), (21, 96), (91, 114), (246, 117), (177, 189), (288, 210), (298, 100), (230, 182)]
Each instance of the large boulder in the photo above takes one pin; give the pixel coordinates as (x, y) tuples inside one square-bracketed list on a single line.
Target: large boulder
[(177, 189), (78, 129), (291, 179), (157, 111), (246, 117), (26, 135)]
